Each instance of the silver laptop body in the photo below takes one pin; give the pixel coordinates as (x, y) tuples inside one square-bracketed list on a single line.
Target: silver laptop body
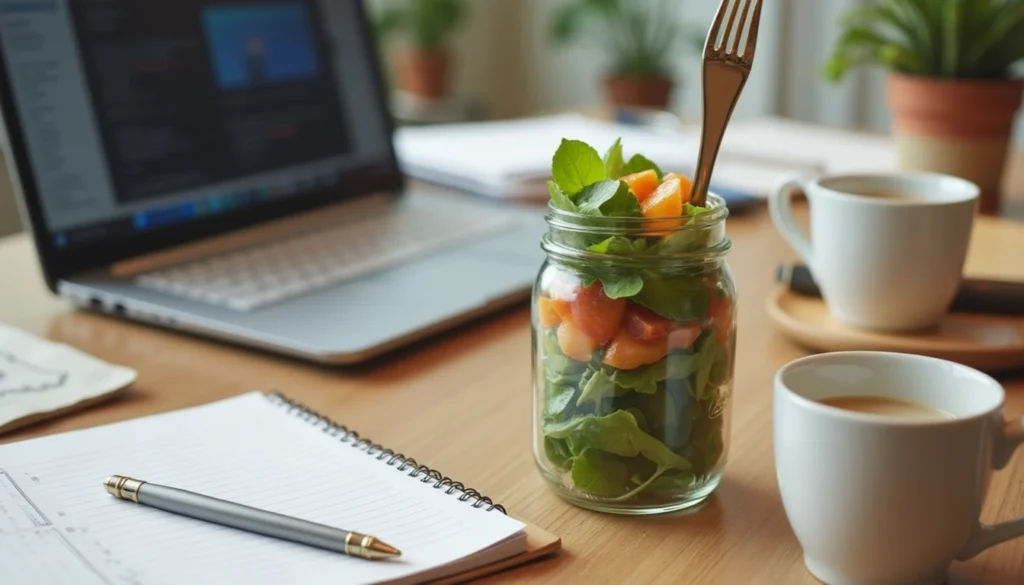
[(228, 171)]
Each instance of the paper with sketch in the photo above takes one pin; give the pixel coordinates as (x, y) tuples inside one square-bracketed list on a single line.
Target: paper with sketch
[(40, 379)]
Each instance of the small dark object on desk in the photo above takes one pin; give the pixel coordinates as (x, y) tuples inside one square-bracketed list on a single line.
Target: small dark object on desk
[(975, 295)]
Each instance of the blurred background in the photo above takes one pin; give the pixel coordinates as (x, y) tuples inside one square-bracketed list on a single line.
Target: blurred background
[(515, 58)]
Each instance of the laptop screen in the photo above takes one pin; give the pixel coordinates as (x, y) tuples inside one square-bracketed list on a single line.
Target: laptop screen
[(144, 115)]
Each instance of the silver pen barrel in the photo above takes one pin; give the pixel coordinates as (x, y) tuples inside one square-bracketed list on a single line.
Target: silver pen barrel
[(247, 518)]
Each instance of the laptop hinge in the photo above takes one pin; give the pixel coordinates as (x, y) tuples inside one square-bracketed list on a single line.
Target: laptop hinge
[(319, 218)]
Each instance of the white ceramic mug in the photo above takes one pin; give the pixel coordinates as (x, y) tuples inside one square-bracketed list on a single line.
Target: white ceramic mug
[(878, 500), (886, 263)]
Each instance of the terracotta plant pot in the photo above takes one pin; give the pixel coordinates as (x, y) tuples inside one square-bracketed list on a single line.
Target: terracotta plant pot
[(423, 72), (957, 127), (642, 91)]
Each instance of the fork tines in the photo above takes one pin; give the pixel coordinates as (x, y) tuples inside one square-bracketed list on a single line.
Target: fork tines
[(723, 42)]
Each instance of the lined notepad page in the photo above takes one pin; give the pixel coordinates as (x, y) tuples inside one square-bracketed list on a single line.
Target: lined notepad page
[(58, 525)]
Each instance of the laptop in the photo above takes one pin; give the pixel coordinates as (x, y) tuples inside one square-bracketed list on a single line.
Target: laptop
[(226, 169)]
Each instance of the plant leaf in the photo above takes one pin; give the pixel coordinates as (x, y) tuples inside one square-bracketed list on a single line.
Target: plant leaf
[(559, 199), (617, 433), (576, 165), (613, 161), (608, 198)]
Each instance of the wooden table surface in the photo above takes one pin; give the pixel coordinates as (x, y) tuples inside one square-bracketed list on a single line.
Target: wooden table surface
[(461, 403)]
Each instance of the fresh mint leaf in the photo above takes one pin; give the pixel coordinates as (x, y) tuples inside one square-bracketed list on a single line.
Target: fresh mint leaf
[(705, 361), (576, 165), (677, 298), (598, 473), (608, 199), (613, 161), (645, 380), (558, 453), (620, 246), (616, 433), (640, 163), (559, 199), (624, 287), (687, 240)]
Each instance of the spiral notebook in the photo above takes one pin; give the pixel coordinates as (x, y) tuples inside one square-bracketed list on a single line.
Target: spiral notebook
[(58, 525)]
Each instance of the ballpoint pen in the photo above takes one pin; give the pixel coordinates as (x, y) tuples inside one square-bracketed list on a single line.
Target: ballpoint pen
[(249, 519)]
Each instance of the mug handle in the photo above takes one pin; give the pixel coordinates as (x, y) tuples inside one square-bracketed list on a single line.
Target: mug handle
[(985, 536), (780, 208)]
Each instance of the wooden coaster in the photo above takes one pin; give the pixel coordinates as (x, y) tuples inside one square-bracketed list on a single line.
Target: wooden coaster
[(988, 342)]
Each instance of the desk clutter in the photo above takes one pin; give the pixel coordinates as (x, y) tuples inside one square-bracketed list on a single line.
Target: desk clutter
[(58, 523), (40, 379)]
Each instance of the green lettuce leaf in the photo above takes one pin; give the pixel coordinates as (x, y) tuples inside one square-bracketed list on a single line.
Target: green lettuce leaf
[(677, 298), (608, 199), (558, 453), (576, 165), (598, 473), (623, 287), (620, 246), (640, 163), (613, 161), (706, 355), (559, 199), (617, 433), (645, 379)]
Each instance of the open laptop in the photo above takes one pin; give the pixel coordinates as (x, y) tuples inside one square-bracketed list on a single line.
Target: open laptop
[(226, 168)]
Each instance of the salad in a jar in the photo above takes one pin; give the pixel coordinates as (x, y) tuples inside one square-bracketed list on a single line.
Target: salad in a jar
[(634, 336)]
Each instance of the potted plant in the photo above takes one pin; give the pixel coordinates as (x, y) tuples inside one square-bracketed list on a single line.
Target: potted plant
[(951, 85), (423, 63), (639, 36)]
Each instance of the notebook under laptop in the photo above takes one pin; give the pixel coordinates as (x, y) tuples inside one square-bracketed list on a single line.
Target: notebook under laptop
[(226, 168)]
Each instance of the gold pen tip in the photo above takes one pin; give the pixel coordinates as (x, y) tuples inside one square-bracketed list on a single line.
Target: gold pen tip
[(381, 550)]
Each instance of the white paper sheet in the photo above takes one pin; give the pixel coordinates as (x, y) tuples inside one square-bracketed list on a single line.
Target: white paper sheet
[(39, 378)]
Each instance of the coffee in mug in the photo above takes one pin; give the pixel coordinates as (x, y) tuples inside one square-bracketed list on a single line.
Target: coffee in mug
[(886, 406), (883, 461), (886, 250)]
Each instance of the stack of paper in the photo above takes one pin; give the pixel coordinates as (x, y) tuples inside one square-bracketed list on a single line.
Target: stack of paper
[(512, 159)]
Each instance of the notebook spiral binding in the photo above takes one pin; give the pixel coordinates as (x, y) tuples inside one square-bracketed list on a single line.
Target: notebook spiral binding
[(345, 435)]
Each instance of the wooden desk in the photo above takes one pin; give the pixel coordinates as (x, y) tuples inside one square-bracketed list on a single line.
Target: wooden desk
[(461, 403)]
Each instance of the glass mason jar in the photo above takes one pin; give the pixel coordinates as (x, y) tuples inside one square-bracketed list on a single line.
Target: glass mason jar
[(633, 350)]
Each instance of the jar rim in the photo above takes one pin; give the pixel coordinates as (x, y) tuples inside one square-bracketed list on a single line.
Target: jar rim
[(570, 220)]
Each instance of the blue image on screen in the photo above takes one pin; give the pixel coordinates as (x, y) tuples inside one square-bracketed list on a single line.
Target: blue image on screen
[(258, 44)]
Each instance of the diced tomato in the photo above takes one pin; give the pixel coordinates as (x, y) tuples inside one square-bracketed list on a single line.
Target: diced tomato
[(597, 315), (575, 343), (644, 324), (683, 336), (546, 314), (642, 184), (720, 311), (562, 308), (626, 353)]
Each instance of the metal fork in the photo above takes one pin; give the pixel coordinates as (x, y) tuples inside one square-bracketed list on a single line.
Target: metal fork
[(725, 72)]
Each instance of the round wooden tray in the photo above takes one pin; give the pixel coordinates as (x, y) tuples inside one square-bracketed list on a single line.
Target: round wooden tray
[(987, 342)]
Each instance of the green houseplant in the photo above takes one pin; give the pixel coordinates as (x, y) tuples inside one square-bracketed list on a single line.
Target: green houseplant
[(952, 87), (640, 37), (423, 62)]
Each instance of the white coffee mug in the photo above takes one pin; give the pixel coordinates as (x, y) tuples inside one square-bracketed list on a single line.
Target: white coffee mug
[(886, 250), (879, 500)]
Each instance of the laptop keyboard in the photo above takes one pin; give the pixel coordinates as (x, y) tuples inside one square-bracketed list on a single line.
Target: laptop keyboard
[(255, 277)]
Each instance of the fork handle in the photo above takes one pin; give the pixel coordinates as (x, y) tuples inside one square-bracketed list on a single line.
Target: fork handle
[(723, 81)]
